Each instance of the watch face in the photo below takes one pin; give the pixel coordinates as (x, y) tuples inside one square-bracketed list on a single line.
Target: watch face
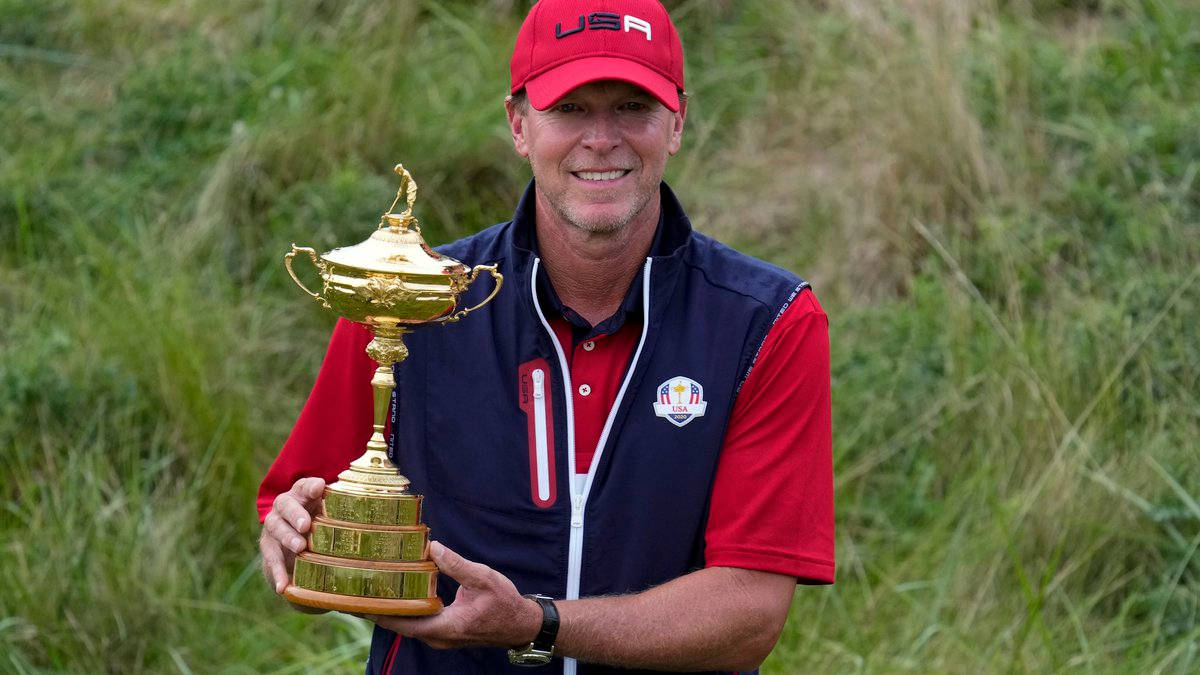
[(529, 657)]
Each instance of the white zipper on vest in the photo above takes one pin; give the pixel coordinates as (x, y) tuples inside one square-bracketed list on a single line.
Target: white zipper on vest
[(539, 435), (579, 493)]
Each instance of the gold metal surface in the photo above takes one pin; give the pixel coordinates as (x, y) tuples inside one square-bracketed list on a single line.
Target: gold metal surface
[(408, 190), (393, 279), (368, 548), (379, 580), (312, 254), (397, 510), (364, 542)]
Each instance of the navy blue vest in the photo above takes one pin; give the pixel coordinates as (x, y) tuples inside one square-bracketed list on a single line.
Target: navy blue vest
[(461, 433)]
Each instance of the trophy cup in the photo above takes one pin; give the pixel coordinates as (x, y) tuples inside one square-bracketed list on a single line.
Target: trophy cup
[(368, 551)]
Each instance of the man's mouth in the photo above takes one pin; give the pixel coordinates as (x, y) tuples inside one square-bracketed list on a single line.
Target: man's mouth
[(600, 175)]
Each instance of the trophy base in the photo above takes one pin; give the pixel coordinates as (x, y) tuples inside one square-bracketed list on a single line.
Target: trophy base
[(365, 578), (359, 605)]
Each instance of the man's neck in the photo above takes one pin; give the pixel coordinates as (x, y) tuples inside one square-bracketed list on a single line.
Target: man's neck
[(591, 272)]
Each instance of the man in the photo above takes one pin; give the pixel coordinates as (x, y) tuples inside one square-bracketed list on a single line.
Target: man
[(676, 481)]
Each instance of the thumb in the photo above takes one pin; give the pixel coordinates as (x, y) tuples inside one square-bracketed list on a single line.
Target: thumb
[(466, 573)]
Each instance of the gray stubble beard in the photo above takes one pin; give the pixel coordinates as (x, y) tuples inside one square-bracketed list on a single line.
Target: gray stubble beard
[(608, 227)]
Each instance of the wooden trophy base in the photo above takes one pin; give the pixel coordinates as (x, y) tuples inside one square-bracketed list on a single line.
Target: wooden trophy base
[(358, 605)]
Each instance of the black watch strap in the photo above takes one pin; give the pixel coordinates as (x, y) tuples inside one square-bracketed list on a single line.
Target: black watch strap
[(549, 633), (541, 650)]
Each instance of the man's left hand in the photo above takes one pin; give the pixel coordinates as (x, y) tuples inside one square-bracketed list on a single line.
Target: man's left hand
[(487, 611)]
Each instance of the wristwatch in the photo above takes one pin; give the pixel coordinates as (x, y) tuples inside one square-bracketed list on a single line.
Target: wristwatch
[(539, 652)]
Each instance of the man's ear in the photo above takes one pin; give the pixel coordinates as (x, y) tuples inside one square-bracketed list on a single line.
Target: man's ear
[(677, 130), (516, 124)]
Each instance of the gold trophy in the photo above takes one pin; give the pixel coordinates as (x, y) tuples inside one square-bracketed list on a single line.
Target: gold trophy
[(368, 551)]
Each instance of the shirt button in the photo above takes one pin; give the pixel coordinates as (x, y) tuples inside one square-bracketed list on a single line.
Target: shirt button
[(589, 346), (584, 390)]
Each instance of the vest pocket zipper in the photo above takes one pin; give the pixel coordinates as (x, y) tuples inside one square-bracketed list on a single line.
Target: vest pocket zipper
[(541, 453), (536, 400)]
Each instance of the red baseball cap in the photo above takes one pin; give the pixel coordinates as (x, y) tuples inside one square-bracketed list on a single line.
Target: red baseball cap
[(564, 44)]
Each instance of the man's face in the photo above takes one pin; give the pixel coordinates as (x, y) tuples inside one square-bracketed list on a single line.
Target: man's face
[(599, 153)]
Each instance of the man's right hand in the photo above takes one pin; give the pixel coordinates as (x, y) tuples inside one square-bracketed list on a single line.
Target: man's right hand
[(285, 528)]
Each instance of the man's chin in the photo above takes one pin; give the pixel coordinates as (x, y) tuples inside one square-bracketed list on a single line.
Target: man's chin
[(601, 221), (600, 225)]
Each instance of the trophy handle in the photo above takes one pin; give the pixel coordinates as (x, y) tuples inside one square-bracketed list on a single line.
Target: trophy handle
[(470, 280), (312, 254)]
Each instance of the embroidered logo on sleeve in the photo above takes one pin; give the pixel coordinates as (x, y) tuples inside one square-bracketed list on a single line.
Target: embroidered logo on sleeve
[(680, 400)]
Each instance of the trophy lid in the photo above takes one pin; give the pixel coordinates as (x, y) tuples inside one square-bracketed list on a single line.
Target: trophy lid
[(397, 247)]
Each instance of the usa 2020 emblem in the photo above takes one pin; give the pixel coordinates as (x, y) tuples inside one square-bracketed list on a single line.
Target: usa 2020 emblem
[(680, 400)]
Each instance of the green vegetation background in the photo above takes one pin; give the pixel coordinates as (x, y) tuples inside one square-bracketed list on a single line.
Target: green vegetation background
[(997, 201)]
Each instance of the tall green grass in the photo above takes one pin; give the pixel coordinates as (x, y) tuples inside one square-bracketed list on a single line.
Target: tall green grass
[(997, 202)]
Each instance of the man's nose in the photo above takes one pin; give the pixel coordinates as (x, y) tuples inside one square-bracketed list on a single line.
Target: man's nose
[(601, 134)]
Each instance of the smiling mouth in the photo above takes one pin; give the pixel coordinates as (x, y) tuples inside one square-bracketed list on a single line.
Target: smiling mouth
[(600, 175)]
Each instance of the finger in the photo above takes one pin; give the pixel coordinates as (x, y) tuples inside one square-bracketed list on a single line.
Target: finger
[(284, 534), (425, 628), (466, 573), (288, 507), (273, 564)]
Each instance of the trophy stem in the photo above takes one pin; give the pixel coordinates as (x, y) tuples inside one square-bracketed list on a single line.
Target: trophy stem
[(383, 383), (374, 473)]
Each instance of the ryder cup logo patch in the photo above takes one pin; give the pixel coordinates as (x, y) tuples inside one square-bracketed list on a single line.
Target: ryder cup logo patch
[(680, 400)]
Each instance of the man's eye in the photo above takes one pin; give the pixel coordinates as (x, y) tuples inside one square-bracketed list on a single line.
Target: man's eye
[(566, 107), (634, 106)]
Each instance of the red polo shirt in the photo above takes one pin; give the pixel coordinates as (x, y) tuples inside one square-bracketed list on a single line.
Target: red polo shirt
[(772, 498)]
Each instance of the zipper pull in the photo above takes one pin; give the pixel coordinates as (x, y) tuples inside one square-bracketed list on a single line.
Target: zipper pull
[(576, 510), (539, 389)]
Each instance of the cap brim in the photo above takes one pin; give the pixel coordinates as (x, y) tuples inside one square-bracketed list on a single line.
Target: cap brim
[(547, 88)]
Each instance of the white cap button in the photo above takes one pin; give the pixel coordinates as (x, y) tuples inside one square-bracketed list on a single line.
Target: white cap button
[(584, 390)]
